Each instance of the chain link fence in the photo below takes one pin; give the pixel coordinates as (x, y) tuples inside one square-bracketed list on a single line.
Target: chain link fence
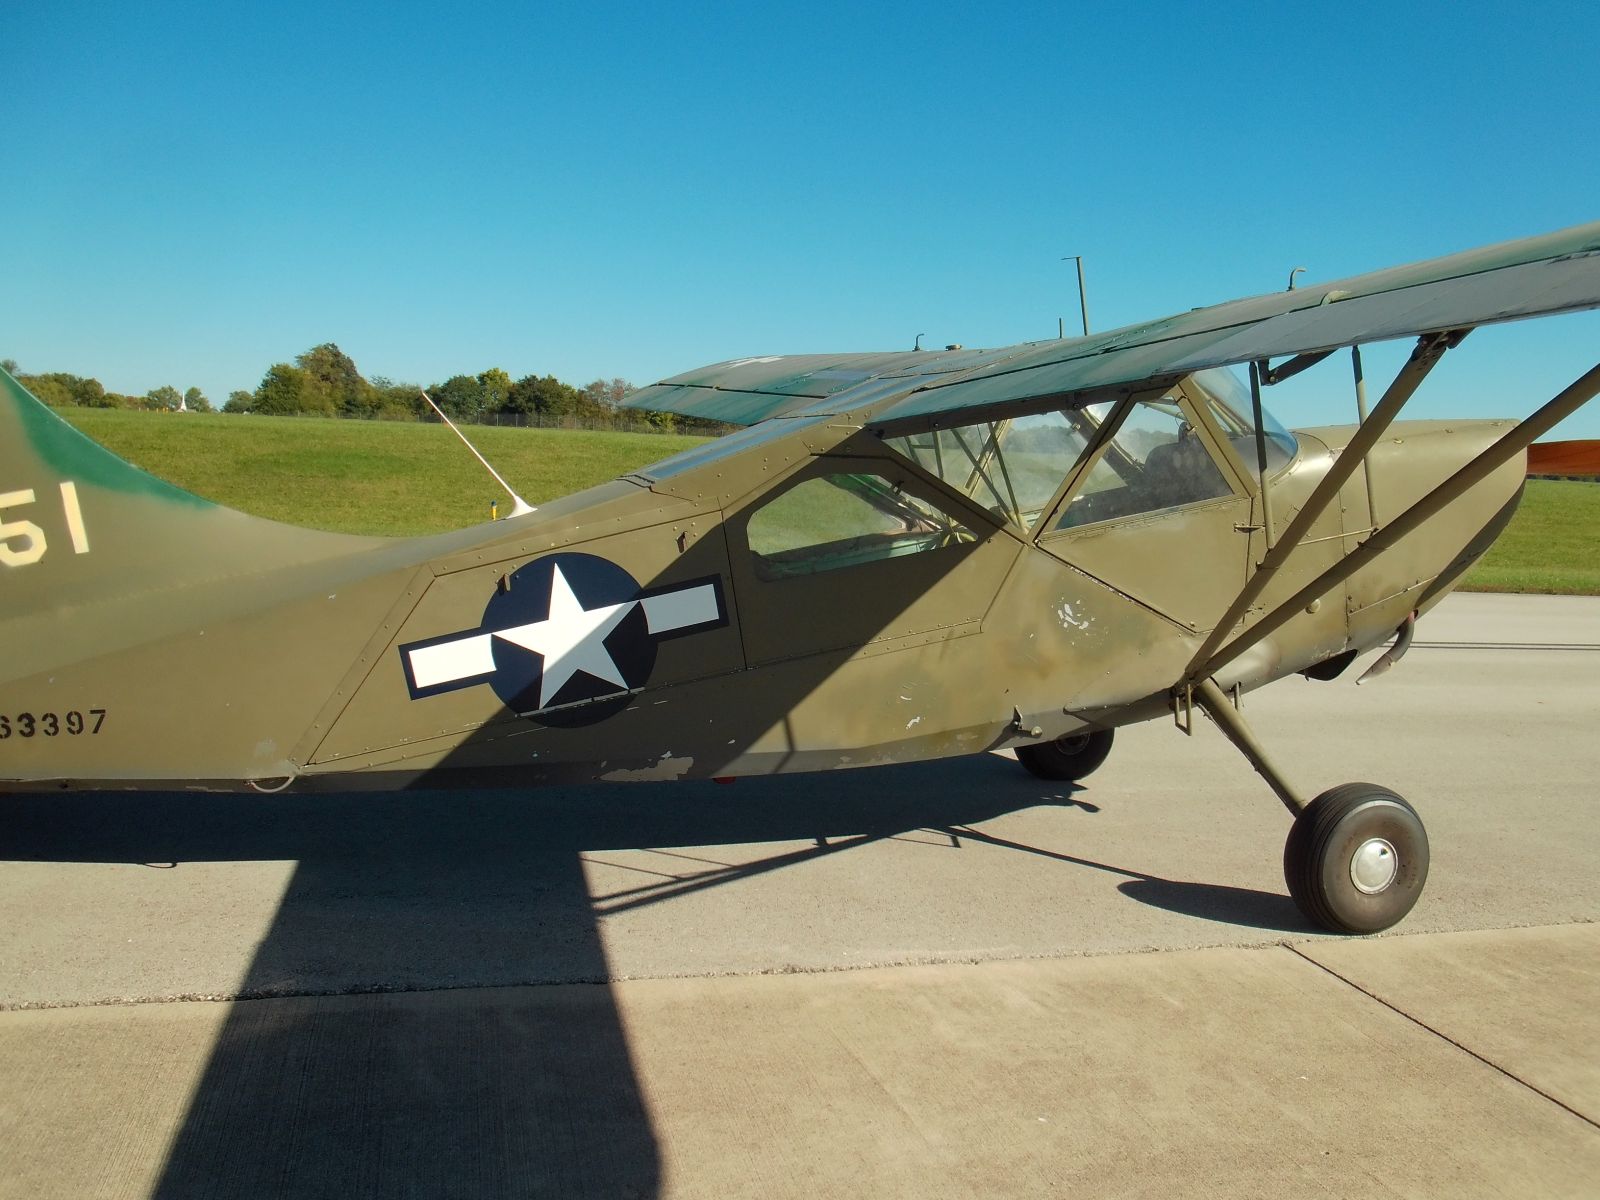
[(621, 421)]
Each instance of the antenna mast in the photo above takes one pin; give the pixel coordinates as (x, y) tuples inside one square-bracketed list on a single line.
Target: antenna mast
[(519, 506), (1083, 295)]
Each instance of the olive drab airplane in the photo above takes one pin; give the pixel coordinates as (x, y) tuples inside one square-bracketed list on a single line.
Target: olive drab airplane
[(903, 556)]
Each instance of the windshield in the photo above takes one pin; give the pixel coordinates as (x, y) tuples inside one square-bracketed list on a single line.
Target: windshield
[(1228, 397)]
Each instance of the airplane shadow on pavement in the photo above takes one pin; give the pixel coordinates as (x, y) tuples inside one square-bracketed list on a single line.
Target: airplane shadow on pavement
[(484, 1085), (1208, 901)]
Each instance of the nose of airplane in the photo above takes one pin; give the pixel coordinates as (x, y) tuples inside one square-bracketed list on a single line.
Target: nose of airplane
[(1422, 462)]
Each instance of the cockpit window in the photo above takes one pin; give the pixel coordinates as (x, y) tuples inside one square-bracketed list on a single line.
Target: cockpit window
[(1011, 467), (1228, 397), (1156, 461), (842, 520)]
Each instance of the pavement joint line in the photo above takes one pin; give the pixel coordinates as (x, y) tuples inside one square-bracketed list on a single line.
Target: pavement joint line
[(251, 995), (1581, 646), (1441, 1035)]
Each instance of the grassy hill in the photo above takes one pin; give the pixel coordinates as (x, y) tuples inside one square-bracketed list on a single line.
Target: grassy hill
[(1552, 544), (371, 477), (365, 476)]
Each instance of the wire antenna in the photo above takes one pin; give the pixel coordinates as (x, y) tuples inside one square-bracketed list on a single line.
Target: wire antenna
[(519, 506)]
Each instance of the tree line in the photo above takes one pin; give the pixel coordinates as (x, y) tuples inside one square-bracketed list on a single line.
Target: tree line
[(324, 382), (61, 390)]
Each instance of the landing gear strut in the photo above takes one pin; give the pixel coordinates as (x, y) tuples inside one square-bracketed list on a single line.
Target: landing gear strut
[(1357, 855)]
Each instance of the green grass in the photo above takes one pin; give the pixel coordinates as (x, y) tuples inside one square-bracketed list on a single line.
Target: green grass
[(1551, 545), (362, 476), (373, 477)]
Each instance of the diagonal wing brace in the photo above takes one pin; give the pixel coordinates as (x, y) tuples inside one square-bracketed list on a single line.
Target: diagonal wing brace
[(1429, 350), (1210, 659)]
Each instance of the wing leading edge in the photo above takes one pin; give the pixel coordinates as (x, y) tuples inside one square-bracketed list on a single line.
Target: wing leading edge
[(1531, 277), (747, 390)]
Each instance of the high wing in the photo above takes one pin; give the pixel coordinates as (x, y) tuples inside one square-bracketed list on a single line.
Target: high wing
[(748, 390), (1529, 277)]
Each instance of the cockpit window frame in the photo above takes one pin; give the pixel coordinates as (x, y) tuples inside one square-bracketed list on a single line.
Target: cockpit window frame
[(1240, 482), (1239, 476), (1244, 467)]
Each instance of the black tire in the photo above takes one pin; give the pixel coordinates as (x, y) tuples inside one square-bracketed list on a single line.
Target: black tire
[(1070, 757), (1327, 881)]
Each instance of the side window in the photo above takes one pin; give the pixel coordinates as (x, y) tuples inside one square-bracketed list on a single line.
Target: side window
[(1012, 466), (843, 520), (1155, 461)]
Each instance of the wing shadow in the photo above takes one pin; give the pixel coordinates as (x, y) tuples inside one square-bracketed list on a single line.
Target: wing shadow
[(330, 1084), (481, 1086)]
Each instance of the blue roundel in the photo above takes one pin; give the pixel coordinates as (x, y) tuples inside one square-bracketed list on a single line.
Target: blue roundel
[(569, 631)]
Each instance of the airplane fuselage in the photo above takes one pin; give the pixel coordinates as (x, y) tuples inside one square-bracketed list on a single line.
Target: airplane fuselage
[(652, 628)]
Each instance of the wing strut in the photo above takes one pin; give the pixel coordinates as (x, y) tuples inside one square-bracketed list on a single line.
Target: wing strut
[(1261, 456), (1514, 442), (1429, 350)]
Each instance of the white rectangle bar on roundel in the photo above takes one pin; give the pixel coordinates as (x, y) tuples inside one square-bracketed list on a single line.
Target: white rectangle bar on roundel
[(446, 662), (667, 611)]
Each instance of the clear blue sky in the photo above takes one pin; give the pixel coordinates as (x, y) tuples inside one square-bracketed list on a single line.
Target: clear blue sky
[(198, 191)]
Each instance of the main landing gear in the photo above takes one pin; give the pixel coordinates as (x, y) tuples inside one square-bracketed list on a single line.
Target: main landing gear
[(1356, 858), (1357, 855), (1069, 757)]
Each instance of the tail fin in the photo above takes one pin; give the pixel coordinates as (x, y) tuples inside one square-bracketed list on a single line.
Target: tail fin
[(36, 444), (78, 524)]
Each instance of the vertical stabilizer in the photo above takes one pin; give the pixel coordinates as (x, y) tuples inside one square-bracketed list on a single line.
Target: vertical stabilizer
[(78, 524)]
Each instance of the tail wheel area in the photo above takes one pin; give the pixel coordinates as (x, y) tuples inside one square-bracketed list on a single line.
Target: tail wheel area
[(1356, 858), (1067, 758)]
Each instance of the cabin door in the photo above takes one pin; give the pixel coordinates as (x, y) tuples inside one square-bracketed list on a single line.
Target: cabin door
[(860, 555)]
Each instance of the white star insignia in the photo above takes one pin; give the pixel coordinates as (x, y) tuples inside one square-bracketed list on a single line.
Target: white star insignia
[(571, 639)]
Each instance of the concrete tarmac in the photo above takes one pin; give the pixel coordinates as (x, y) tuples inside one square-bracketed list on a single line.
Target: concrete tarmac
[(696, 1033)]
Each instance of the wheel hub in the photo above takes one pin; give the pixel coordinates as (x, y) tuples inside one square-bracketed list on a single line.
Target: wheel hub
[(1374, 866)]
